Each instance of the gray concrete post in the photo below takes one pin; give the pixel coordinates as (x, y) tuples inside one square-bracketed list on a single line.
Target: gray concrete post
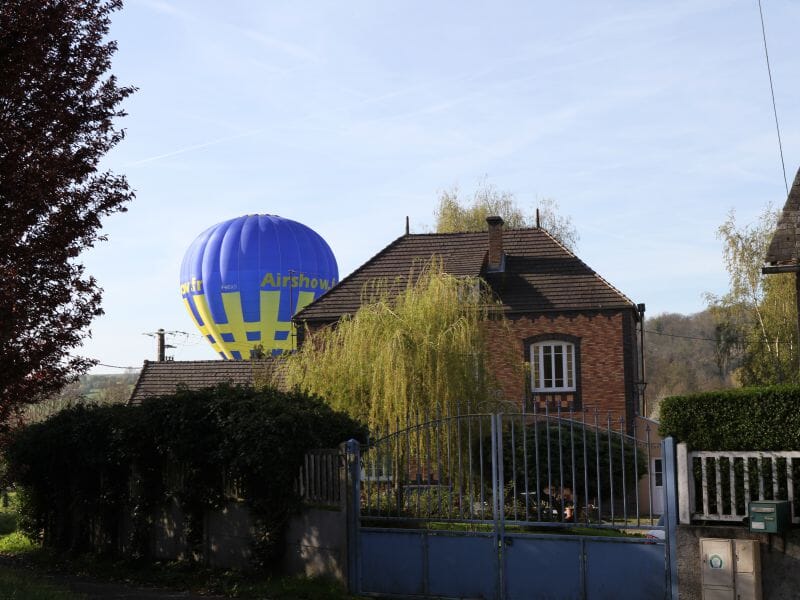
[(353, 508), (685, 496)]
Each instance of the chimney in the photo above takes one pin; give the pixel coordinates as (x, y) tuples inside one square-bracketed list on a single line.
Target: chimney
[(496, 260), (160, 346)]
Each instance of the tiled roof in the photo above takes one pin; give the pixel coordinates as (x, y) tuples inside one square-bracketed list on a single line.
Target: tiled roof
[(784, 249), (163, 378), (540, 274)]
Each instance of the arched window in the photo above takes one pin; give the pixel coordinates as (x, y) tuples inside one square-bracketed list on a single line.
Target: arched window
[(554, 363)]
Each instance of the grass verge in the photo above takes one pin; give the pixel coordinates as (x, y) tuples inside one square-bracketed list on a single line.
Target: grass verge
[(27, 586), (175, 575), (17, 550)]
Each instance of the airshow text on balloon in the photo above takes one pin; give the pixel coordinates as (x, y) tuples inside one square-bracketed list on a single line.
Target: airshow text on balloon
[(270, 280)]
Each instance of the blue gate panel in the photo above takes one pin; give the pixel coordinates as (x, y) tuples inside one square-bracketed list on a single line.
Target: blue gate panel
[(624, 571), (392, 562), (462, 566), (542, 567)]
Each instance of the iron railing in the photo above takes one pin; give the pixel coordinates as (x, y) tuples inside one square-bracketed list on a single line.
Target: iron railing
[(537, 468)]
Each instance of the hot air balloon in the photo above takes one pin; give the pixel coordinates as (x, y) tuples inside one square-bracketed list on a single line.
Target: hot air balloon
[(242, 281)]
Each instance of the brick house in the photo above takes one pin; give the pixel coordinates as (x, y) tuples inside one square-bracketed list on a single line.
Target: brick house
[(576, 330)]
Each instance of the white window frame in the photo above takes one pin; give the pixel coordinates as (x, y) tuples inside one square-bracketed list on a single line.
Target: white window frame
[(564, 352)]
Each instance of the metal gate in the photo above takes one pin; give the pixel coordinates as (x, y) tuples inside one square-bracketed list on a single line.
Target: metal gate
[(513, 507)]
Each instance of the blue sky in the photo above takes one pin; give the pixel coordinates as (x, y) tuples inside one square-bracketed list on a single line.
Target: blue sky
[(646, 121)]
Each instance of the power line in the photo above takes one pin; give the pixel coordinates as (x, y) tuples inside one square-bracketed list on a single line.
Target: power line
[(115, 366), (685, 337), (772, 91), (707, 339)]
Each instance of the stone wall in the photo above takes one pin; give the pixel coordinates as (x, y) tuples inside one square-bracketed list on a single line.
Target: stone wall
[(316, 544)]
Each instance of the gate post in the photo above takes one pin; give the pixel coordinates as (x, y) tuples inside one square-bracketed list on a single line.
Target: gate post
[(498, 503), (685, 485), (671, 514), (353, 511)]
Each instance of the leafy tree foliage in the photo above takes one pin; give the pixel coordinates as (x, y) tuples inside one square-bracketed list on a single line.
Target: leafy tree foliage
[(412, 352), (759, 311), (455, 214), (57, 109)]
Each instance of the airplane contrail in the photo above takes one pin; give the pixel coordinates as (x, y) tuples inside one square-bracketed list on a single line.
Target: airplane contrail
[(194, 147)]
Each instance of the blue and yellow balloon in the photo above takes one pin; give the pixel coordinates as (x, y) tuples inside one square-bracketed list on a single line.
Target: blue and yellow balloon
[(242, 281)]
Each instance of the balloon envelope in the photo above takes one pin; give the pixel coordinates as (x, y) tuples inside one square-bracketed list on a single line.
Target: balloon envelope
[(242, 281)]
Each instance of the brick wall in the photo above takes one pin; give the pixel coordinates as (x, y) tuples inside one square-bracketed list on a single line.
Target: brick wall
[(603, 348)]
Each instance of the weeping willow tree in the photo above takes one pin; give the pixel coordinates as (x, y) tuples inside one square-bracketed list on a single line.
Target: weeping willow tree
[(406, 356)]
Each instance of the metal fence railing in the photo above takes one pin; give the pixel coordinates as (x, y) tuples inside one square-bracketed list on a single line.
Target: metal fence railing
[(537, 468)]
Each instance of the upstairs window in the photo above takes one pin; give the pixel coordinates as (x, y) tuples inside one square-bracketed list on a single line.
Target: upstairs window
[(553, 366)]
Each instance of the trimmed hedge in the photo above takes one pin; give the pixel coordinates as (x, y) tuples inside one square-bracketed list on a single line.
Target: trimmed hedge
[(80, 470), (742, 419)]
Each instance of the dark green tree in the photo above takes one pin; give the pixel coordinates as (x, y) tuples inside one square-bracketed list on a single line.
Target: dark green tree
[(58, 105)]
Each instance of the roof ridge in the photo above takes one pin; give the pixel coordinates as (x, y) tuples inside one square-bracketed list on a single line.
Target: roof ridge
[(484, 231)]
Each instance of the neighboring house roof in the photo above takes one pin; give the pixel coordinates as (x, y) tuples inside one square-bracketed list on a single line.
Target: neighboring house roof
[(162, 378), (540, 274), (784, 249)]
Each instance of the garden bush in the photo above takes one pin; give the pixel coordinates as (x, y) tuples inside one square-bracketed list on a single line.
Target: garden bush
[(621, 464), (80, 470)]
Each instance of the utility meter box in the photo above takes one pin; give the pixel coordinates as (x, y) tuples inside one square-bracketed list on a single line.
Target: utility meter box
[(769, 516), (730, 569)]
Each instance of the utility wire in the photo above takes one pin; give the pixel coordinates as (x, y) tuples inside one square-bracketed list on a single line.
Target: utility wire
[(115, 366), (707, 339), (772, 91), (684, 337)]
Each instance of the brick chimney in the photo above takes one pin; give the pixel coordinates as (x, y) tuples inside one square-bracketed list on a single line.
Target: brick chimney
[(496, 260)]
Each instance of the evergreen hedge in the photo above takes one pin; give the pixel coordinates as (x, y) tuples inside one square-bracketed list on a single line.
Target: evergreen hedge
[(618, 459), (766, 418), (82, 469)]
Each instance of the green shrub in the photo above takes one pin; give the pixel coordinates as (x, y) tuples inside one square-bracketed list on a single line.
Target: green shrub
[(81, 469), (621, 465), (742, 419)]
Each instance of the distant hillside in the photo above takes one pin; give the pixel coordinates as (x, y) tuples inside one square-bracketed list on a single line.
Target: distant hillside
[(682, 356), (97, 389)]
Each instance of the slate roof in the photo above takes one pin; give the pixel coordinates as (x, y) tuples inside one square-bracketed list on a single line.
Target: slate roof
[(162, 378), (540, 274), (784, 248)]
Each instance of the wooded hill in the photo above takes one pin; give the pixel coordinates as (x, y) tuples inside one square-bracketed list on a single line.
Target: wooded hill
[(96, 389), (684, 354)]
